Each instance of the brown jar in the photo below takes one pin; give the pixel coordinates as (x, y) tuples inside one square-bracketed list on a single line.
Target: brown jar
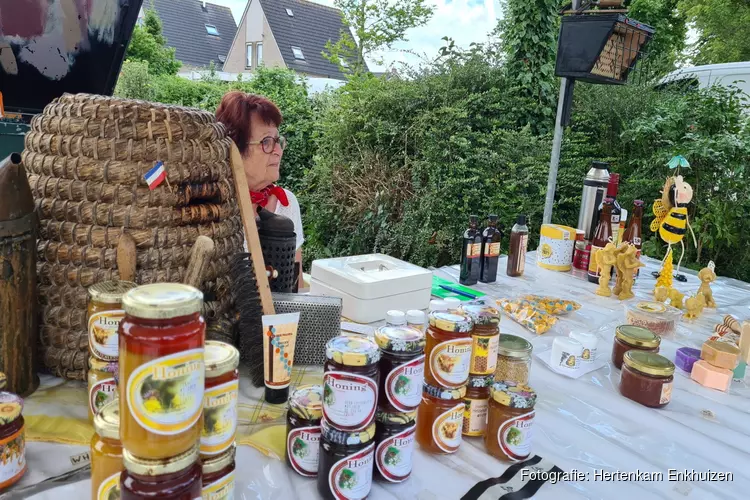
[(448, 350), (176, 478), (484, 337), (440, 419), (303, 429), (218, 474), (510, 421), (401, 368), (629, 337), (647, 378), (394, 438), (477, 404)]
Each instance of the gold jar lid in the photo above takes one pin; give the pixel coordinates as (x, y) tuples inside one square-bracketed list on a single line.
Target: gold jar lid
[(451, 322), (481, 314), (513, 346), (513, 394), (396, 418), (352, 351), (219, 462), (637, 336), (11, 407), (220, 358), (159, 467), (162, 301), (649, 363), (98, 365), (306, 402), (110, 292), (107, 421)]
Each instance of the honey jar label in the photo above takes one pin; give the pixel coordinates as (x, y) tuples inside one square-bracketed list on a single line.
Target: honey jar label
[(13, 451), (393, 455), (165, 395), (446, 429), (483, 354), (403, 385), (110, 488), (102, 393), (351, 477), (349, 400), (223, 489), (449, 362), (219, 418), (103, 338), (475, 417), (666, 393), (303, 447), (514, 436)]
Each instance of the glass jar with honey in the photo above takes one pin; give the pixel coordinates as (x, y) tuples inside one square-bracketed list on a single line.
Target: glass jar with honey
[(394, 438), (106, 453), (12, 439), (162, 370), (510, 421), (102, 384), (630, 337), (441, 415), (448, 350), (303, 429), (177, 477), (104, 315), (477, 405), (401, 368), (484, 337), (218, 475), (345, 465), (220, 398)]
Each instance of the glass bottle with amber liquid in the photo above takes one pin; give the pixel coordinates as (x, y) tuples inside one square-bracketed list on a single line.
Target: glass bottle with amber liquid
[(633, 234), (490, 250), (471, 253), (612, 189), (602, 236), (519, 241)]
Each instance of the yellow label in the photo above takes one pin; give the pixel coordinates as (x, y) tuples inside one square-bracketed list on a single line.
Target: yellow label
[(221, 489), (593, 265), (165, 395), (475, 417), (103, 338), (219, 418), (483, 354), (13, 451), (278, 349), (110, 488), (492, 249)]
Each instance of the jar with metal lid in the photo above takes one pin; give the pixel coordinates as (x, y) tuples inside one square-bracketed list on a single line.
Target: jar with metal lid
[(218, 475), (346, 462), (162, 370), (220, 398), (647, 378), (303, 429), (448, 350), (628, 337), (12, 439), (477, 404), (175, 478), (484, 337), (350, 382), (102, 384), (104, 315), (441, 416), (510, 421), (394, 438), (401, 368), (106, 453), (513, 359)]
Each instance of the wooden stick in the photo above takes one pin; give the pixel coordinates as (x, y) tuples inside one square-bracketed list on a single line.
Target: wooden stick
[(201, 254), (126, 258), (251, 230)]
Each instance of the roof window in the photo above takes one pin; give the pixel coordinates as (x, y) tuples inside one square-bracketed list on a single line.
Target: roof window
[(290, 12), (211, 30), (298, 53)]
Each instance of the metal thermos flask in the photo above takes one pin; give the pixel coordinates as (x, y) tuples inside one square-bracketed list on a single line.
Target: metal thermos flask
[(594, 191)]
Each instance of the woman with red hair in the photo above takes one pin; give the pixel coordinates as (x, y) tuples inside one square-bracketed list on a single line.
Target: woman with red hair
[(252, 121)]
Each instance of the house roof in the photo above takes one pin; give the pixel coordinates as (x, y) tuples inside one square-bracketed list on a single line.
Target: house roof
[(185, 29), (310, 28)]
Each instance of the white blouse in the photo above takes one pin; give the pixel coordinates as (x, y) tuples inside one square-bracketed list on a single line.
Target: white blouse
[(293, 212)]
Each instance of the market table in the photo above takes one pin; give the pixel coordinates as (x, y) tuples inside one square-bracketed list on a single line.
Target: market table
[(581, 424)]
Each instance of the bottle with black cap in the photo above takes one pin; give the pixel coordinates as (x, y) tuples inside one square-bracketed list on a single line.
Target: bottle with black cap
[(519, 241), (491, 237)]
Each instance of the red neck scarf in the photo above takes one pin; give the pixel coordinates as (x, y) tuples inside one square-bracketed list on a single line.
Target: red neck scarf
[(261, 197)]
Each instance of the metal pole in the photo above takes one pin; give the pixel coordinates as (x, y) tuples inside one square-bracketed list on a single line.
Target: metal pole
[(554, 161)]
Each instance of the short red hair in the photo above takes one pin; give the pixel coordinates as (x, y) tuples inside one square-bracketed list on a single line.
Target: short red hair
[(235, 111)]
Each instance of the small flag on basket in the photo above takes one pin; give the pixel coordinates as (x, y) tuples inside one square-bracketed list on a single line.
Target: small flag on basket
[(156, 176)]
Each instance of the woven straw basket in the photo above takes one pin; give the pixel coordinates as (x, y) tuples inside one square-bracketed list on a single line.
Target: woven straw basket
[(86, 157)]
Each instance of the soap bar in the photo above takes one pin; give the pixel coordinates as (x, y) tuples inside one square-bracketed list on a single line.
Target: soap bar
[(720, 354), (711, 376), (745, 342), (739, 372), (686, 357)]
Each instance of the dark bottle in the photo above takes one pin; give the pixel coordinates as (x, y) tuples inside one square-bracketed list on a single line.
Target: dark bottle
[(602, 236), (519, 241), (612, 188), (471, 253), (633, 233), (490, 251)]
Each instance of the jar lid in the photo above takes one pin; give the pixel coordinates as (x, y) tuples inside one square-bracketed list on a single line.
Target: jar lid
[(395, 418), (452, 303), (451, 322), (513, 394), (395, 317), (352, 350), (219, 462), (637, 336), (107, 421), (346, 438), (481, 314), (3, 380), (306, 402), (401, 339), (11, 406), (481, 380), (220, 358), (651, 307), (162, 301), (159, 467), (649, 363), (513, 346), (415, 317), (110, 292), (438, 305), (444, 393), (98, 365)]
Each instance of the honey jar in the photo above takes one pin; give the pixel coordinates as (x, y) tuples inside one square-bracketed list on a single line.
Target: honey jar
[(220, 398), (477, 405), (394, 438), (629, 337), (303, 429), (484, 337), (102, 384), (440, 421), (401, 368), (12, 439), (448, 350), (510, 421), (647, 378), (218, 475), (177, 477), (106, 453), (104, 315), (346, 462)]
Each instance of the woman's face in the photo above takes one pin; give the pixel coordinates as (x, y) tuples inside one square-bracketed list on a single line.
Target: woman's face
[(261, 168)]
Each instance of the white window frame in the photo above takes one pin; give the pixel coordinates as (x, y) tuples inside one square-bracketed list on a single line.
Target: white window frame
[(258, 54), (289, 12), (301, 56), (249, 51), (209, 27)]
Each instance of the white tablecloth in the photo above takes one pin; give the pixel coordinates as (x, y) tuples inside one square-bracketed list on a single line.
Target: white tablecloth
[(582, 424)]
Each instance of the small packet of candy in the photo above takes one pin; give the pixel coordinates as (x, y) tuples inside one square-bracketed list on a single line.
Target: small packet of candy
[(552, 305), (527, 315)]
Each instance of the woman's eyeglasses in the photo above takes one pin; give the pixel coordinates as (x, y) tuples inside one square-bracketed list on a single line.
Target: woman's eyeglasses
[(269, 143)]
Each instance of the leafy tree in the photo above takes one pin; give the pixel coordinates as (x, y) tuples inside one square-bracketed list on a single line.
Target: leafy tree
[(148, 44), (722, 26), (377, 24), (668, 44), (134, 81)]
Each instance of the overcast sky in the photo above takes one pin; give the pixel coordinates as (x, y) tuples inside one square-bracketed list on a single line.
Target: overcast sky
[(465, 21)]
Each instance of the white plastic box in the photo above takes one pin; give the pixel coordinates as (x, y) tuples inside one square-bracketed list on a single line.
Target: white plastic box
[(371, 285)]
